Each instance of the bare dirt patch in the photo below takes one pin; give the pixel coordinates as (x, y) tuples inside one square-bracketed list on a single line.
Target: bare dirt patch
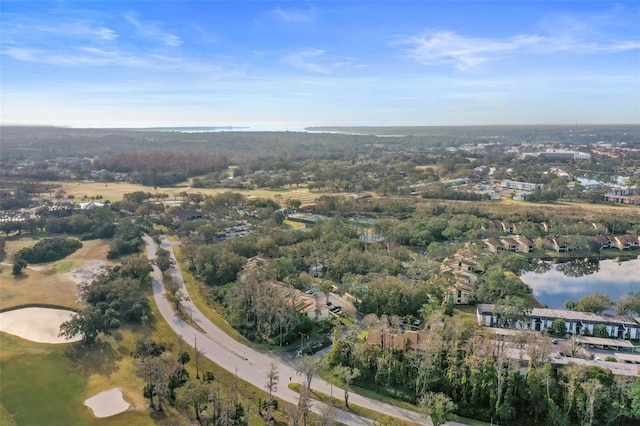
[(88, 272)]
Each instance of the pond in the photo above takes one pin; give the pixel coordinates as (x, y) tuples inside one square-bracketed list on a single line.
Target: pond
[(578, 278)]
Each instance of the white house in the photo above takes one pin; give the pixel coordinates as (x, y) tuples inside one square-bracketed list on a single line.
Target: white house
[(539, 319)]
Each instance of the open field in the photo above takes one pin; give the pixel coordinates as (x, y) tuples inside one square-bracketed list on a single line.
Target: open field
[(46, 283), (114, 191), (571, 208)]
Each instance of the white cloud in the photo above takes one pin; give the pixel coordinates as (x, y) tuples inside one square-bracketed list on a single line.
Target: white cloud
[(315, 60), (463, 52), (98, 57), (106, 33), (447, 47), (153, 30), (71, 28), (293, 15)]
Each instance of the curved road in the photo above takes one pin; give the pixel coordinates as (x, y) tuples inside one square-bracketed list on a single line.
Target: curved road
[(249, 364)]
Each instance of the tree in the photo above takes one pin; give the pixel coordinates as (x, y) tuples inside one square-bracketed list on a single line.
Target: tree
[(273, 377), (183, 357), (304, 404), (198, 353), (154, 369), (327, 415), (600, 330), (596, 303), (49, 249), (173, 293), (3, 248), (437, 405), (512, 310), (628, 304), (496, 284), (90, 322), (558, 326), (308, 366), (195, 394), (163, 259), (19, 266), (634, 395), (326, 286), (530, 230), (346, 375)]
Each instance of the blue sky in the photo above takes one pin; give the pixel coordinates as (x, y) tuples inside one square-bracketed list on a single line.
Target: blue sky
[(293, 63)]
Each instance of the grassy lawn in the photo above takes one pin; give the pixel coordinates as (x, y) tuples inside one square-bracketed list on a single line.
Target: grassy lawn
[(54, 390), (46, 282), (47, 384), (114, 191), (293, 224)]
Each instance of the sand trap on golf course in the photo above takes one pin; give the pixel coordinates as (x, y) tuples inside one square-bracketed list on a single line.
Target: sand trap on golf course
[(36, 324), (107, 403)]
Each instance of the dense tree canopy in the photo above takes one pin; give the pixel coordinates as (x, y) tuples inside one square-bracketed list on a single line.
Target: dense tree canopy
[(49, 249)]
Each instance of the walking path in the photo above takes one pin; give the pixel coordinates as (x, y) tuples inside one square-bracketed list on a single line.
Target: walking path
[(249, 364)]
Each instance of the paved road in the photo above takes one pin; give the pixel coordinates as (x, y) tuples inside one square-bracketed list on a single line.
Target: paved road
[(252, 365)]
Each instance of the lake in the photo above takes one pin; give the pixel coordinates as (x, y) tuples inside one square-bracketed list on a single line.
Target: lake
[(553, 287)]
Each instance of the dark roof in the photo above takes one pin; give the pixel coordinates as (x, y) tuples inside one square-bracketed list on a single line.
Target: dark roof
[(187, 214)]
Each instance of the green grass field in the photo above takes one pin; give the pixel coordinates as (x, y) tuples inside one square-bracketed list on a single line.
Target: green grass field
[(47, 384)]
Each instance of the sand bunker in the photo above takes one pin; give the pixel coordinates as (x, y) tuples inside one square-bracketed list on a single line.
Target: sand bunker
[(88, 272), (107, 403), (36, 324)]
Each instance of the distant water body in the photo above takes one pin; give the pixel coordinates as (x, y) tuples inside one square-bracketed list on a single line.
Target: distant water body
[(214, 129), (553, 288)]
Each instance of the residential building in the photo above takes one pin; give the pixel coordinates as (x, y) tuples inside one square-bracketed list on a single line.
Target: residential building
[(578, 323), (604, 240), (623, 195), (525, 245), (625, 242), (397, 341), (525, 186)]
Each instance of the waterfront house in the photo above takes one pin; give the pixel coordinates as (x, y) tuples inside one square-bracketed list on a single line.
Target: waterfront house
[(509, 244), (625, 242), (493, 244), (604, 240), (578, 323), (556, 244), (525, 245)]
